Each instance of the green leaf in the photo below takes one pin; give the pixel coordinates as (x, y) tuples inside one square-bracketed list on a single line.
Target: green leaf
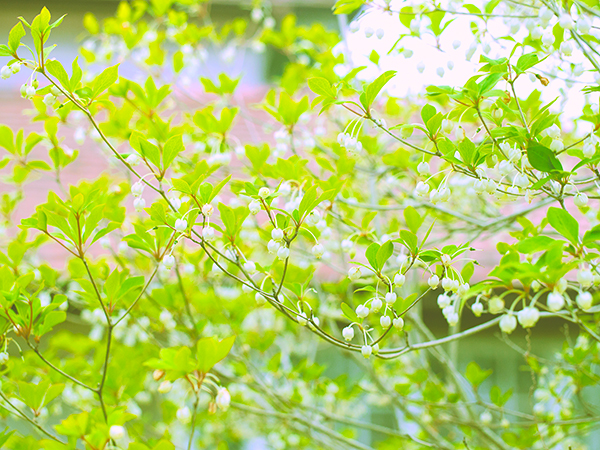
[(413, 219), (542, 158), (321, 86), (56, 69), (172, 148), (384, 253), (475, 374), (498, 398), (210, 352), (371, 254), (349, 313), (373, 89), (15, 36), (106, 79), (467, 150), (564, 223)]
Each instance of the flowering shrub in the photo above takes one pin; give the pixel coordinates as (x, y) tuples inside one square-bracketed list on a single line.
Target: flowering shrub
[(209, 280)]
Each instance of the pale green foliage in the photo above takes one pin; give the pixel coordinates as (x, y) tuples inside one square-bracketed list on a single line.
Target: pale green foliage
[(221, 306)]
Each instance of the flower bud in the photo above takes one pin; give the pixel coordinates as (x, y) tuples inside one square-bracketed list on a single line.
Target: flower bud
[(385, 321), (366, 350), (399, 280), (223, 399), (137, 188), (168, 261), (318, 250), (208, 209), (354, 273), (165, 387), (260, 299), (362, 311), (208, 233), (184, 415), (273, 246), (496, 305), (277, 234), (477, 309), (250, 267), (181, 225), (133, 160), (433, 281), (49, 99), (139, 204), (584, 300), (444, 301), (348, 333), (423, 168), (116, 432), (398, 323), (264, 192), (585, 277), (5, 72), (283, 253), (508, 323), (528, 317), (555, 301), (376, 304), (390, 298)]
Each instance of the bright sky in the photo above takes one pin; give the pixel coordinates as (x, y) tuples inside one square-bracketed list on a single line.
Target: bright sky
[(452, 61)]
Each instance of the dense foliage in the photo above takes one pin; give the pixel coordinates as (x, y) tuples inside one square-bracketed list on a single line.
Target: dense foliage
[(259, 271)]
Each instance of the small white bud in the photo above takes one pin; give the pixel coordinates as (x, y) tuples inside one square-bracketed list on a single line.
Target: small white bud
[(5, 72), (366, 350), (423, 168), (116, 432), (444, 301), (486, 417), (398, 323), (508, 323), (137, 188), (264, 192), (165, 387), (555, 301), (376, 304), (548, 39), (433, 281), (385, 321), (455, 44), (277, 234), (49, 99), (208, 233), (223, 399), (283, 253), (184, 415), (354, 273), (254, 207), (580, 200), (565, 21), (528, 317), (380, 33), (133, 160), (362, 311), (477, 309), (348, 333), (208, 209), (250, 267), (421, 67), (390, 298), (496, 305), (181, 225), (566, 48), (139, 204), (260, 299), (399, 279), (585, 277), (168, 261), (584, 300), (369, 32)]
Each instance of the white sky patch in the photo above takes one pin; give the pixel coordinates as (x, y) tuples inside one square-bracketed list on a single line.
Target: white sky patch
[(452, 64)]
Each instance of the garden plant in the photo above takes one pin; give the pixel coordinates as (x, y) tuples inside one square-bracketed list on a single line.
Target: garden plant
[(263, 273)]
